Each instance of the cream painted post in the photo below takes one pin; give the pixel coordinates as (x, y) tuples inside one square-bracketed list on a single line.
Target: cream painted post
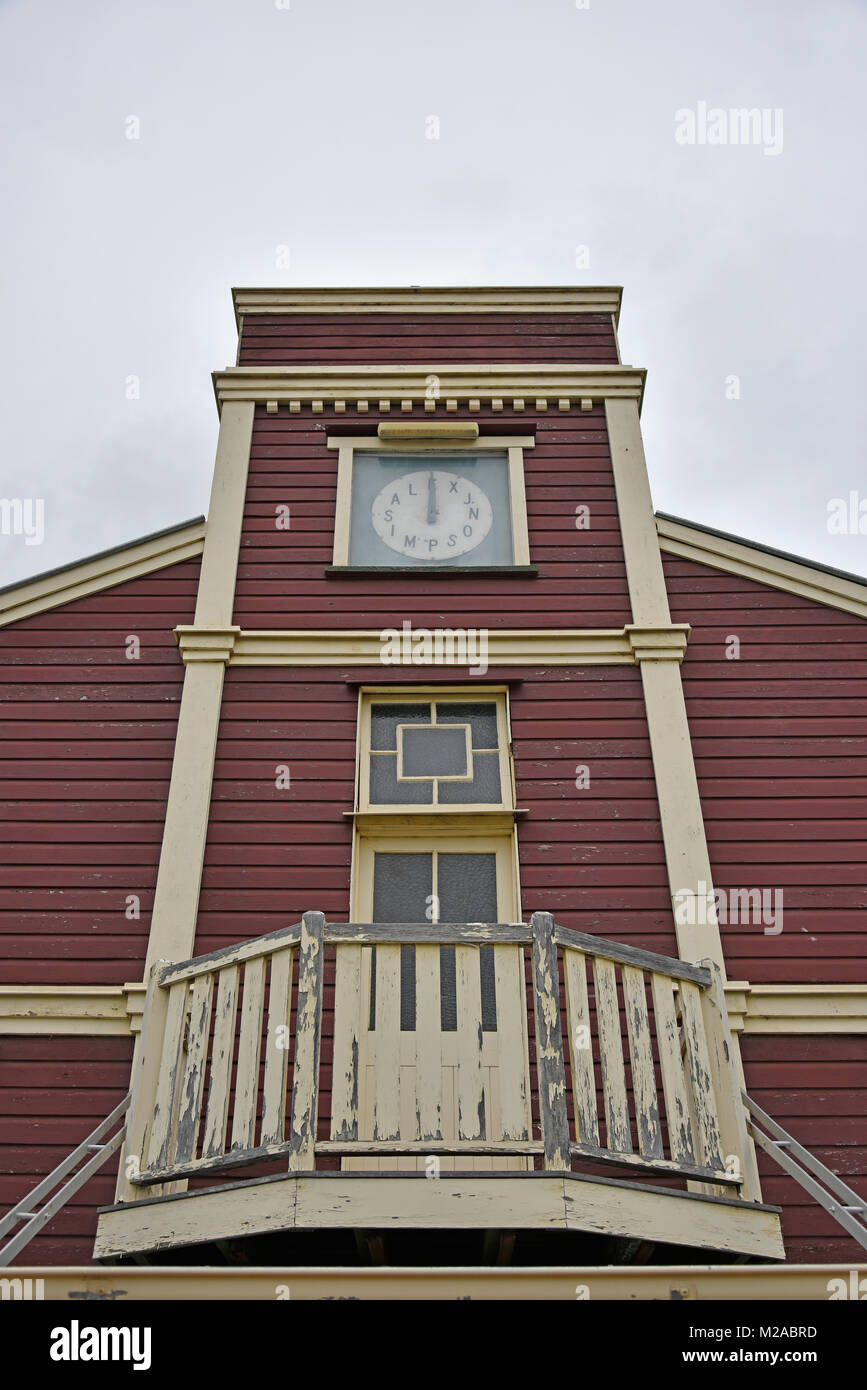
[(680, 811), (205, 648)]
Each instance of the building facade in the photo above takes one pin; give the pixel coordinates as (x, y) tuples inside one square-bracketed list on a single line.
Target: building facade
[(436, 842)]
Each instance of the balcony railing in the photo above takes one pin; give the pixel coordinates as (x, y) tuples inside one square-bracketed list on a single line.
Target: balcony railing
[(229, 1069)]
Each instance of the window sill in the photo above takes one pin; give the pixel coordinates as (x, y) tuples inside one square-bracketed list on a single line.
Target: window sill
[(424, 571)]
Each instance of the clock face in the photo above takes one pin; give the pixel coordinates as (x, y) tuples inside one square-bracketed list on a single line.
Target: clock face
[(432, 515)]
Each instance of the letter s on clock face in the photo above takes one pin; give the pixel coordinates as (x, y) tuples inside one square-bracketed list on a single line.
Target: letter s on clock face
[(432, 515)]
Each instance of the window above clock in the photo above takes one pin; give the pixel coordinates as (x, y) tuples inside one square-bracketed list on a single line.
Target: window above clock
[(431, 505)]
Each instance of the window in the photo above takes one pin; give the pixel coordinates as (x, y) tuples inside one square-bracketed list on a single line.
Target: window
[(442, 752), (432, 506), (434, 821)]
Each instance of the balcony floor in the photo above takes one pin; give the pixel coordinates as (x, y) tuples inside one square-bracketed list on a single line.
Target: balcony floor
[(401, 1201)]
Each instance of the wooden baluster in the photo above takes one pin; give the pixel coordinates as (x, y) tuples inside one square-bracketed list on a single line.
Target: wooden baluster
[(641, 1059), (276, 1048), (161, 1144), (513, 1069), (348, 996), (308, 1036), (549, 1043), (708, 1146), (221, 1063), (190, 1114), (472, 1120), (428, 1043), (249, 1053), (726, 1081), (677, 1114), (387, 1111), (581, 1048), (619, 1138)]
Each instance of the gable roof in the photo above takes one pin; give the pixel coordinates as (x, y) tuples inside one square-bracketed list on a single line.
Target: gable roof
[(101, 571), (763, 564)]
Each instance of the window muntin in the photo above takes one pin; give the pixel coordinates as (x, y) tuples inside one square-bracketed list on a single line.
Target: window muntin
[(437, 752)]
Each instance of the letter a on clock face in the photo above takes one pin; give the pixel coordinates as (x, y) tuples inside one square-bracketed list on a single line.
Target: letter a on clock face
[(432, 515)]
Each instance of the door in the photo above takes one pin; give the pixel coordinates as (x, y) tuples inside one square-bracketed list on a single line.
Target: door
[(462, 1005)]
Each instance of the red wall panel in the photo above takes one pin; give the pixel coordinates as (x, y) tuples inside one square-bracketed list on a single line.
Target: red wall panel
[(780, 743), (86, 742), (283, 339), (53, 1092), (816, 1088), (281, 573)]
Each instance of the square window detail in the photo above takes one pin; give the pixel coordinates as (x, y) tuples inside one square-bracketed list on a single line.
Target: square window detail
[(430, 507), (434, 753)]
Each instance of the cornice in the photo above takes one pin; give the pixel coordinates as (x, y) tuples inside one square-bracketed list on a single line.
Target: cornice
[(438, 299), (518, 387)]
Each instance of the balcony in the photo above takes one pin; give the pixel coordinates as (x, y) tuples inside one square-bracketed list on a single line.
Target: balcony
[(437, 1094)]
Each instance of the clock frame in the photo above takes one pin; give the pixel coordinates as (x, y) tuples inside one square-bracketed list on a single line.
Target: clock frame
[(439, 456)]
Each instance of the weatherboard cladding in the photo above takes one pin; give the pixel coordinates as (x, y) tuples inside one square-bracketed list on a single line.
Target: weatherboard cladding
[(286, 339), (282, 580), (780, 743), (86, 741)]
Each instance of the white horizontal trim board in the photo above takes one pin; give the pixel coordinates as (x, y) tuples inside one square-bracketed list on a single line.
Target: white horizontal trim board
[(751, 562), (440, 299)]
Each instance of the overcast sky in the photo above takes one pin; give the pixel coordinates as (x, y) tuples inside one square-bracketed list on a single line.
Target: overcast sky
[(304, 123)]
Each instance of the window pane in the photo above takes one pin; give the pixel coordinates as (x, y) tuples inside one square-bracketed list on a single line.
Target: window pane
[(385, 788), (434, 752), (402, 887), (448, 990), (467, 887), (482, 720), (484, 788), (384, 720)]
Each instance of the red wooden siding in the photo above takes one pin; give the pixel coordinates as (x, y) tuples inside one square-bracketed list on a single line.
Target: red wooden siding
[(816, 1088), (86, 740), (593, 857), (281, 574), (426, 337), (53, 1092), (780, 741)]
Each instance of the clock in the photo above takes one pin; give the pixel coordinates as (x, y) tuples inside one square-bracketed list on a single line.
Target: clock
[(432, 514), (426, 508)]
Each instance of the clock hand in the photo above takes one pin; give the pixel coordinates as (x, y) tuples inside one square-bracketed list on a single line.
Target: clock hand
[(432, 509)]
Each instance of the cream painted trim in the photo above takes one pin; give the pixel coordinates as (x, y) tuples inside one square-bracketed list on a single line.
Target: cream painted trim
[(425, 841), (92, 1010), (506, 647), (451, 431), (796, 1009), (741, 1283), (752, 563), (521, 1201), (647, 592), (680, 810), (468, 384), (431, 443), (488, 299), (179, 876), (91, 576), (116, 1010), (216, 595)]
